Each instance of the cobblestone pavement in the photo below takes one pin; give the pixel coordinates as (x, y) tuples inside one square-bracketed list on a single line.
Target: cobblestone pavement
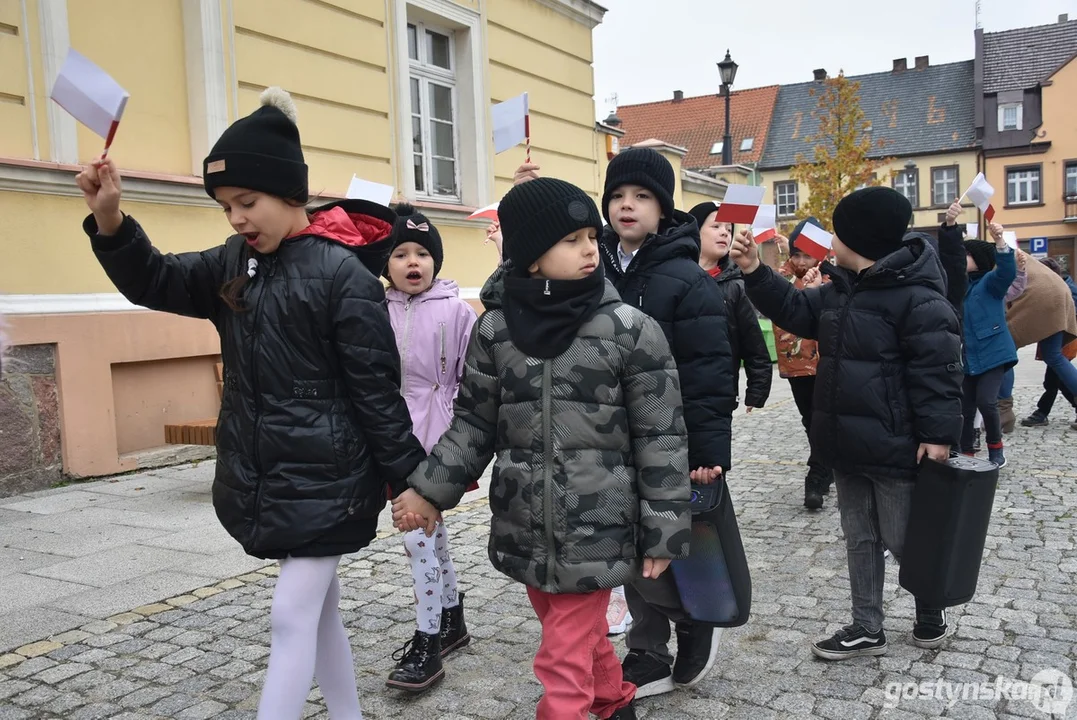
[(203, 655)]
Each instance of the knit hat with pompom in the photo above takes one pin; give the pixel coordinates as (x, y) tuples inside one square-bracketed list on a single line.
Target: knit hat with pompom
[(261, 152)]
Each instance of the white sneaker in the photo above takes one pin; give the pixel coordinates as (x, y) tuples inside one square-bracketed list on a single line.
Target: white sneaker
[(617, 616)]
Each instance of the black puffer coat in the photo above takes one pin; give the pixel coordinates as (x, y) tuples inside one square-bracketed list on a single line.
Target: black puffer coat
[(666, 282), (890, 369), (748, 344), (312, 426)]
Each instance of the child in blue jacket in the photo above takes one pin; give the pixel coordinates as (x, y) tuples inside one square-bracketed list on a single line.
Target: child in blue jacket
[(989, 350)]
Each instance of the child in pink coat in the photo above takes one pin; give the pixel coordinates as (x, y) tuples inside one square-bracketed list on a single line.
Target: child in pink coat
[(432, 326)]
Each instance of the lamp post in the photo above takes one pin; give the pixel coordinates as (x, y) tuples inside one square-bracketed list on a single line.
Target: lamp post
[(728, 71)]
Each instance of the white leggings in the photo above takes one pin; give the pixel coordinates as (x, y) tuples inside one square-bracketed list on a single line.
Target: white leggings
[(308, 641), (434, 576)]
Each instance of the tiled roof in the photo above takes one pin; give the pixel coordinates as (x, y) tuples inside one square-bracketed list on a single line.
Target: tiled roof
[(1025, 57), (913, 112), (696, 123)]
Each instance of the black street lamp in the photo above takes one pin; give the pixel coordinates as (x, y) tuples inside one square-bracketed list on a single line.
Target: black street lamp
[(728, 71)]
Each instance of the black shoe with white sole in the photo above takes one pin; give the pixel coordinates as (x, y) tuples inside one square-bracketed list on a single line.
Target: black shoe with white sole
[(650, 675), (697, 646), (930, 630), (850, 642)]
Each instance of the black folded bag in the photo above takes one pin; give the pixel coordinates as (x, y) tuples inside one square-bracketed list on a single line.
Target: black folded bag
[(713, 582), (944, 542)]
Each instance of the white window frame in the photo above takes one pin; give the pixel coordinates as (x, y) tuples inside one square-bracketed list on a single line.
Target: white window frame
[(427, 73), (716, 148), (1018, 109), (1069, 171), (1024, 180), (746, 144), (907, 180), (948, 197), (778, 197), (474, 149)]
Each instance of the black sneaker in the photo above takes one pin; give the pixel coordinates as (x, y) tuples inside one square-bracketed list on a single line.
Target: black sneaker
[(628, 712), (930, 629), (650, 675), (977, 442), (813, 493), (850, 642), (697, 646), (1036, 419)]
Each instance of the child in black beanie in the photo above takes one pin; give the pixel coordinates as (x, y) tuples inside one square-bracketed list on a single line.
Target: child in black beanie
[(578, 396), (888, 391)]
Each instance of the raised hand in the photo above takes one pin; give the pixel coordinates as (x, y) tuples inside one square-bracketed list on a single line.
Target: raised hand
[(101, 188), (527, 171), (952, 212), (813, 278), (745, 252)]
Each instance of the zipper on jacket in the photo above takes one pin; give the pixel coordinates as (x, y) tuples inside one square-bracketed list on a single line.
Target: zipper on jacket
[(441, 344), (547, 472), (406, 345), (257, 390), (837, 358)]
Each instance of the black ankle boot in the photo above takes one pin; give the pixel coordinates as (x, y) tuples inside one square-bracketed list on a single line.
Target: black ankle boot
[(454, 634), (813, 494), (419, 666)]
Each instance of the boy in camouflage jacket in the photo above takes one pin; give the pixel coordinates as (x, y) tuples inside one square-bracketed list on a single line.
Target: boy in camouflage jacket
[(578, 396)]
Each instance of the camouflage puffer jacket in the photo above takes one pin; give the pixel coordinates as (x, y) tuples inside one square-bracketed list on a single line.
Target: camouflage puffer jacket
[(591, 470)]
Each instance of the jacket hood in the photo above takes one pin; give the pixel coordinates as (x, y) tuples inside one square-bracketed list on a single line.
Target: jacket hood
[(914, 263), (363, 226), (439, 290), (679, 238)]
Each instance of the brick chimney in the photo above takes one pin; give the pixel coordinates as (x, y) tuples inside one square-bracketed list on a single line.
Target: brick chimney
[(921, 62), (900, 65), (678, 95), (820, 74)]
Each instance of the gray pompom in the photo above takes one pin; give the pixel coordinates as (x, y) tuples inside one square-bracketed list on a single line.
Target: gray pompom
[(280, 99)]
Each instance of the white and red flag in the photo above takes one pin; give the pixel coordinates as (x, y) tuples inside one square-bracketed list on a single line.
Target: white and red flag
[(765, 225), (487, 213), (90, 95), (740, 204), (980, 193), (814, 241)]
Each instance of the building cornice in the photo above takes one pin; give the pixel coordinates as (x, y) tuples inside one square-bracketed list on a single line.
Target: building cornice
[(584, 12)]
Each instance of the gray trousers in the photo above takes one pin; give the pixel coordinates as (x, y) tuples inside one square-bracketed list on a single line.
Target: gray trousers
[(653, 604)]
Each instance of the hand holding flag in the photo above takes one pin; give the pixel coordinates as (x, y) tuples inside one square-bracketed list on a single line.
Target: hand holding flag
[(101, 188), (980, 193), (90, 95), (745, 252)]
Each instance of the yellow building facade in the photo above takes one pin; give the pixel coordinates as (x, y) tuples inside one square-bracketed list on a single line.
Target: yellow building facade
[(394, 91)]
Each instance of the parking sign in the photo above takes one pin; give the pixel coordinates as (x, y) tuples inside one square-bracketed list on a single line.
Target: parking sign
[(1037, 247)]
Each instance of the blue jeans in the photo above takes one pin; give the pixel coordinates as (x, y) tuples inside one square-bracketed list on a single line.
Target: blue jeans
[(874, 514), (1005, 390), (1051, 351)]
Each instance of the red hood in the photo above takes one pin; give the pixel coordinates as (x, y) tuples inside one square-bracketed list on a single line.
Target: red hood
[(352, 229)]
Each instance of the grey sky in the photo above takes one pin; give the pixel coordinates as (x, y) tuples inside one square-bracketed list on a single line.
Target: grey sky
[(646, 49)]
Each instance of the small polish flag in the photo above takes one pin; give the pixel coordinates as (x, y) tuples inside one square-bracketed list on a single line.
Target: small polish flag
[(360, 189), (90, 95), (511, 123), (980, 193), (1011, 238), (972, 230), (487, 213), (740, 205), (814, 241), (765, 225)]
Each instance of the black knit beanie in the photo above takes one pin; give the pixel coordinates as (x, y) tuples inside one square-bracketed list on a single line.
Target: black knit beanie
[(412, 226), (872, 221), (536, 215), (982, 253), (644, 167), (703, 211), (260, 152)]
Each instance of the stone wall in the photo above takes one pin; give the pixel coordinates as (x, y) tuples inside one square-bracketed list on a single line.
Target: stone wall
[(30, 456)]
